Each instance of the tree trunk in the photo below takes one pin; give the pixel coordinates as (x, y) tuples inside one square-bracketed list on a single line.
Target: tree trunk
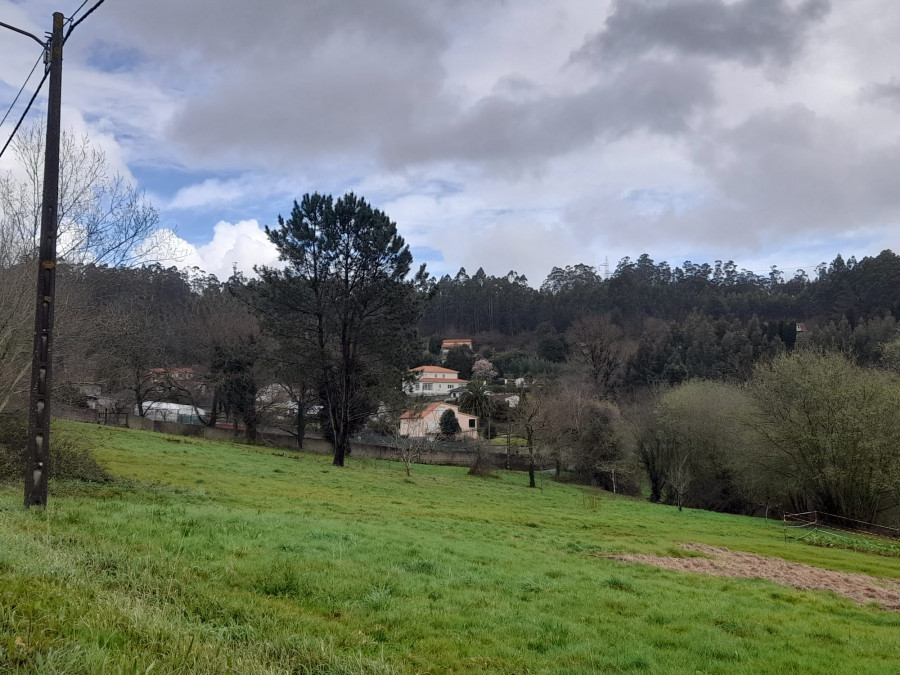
[(529, 439), (301, 425), (251, 427), (214, 410), (341, 443)]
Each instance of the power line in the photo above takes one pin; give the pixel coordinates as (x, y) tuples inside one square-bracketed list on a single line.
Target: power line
[(27, 108), (25, 84), (46, 72), (69, 20), (86, 15)]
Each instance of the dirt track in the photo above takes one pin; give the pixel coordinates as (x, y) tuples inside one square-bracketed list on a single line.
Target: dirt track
[(726, 563)]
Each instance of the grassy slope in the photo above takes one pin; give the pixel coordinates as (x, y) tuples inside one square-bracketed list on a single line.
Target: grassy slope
[(220, 556)]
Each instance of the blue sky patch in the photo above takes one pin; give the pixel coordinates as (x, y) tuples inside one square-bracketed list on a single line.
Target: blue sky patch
[(111, 58)]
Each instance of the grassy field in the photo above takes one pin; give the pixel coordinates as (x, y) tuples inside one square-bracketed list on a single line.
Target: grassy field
[(210, 557)]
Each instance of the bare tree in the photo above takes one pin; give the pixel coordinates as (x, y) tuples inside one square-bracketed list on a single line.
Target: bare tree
[(411, 450), (598, 344), (532, 417), (16, 307), (103, 220)]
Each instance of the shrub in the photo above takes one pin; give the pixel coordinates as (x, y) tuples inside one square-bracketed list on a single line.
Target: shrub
[(448, 424), (70, 456)]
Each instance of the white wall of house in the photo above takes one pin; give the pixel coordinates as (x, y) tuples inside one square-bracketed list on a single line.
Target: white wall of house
[(430, 383), (428, 423)]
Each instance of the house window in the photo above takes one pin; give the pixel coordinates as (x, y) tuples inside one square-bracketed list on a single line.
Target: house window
[(471, 424), (427, 386), (417, 387)]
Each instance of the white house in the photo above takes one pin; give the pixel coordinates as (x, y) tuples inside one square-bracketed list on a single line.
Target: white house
[(425, 423), (434, 381)]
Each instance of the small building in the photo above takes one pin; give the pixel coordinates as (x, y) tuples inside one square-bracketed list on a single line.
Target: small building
[(434, 381), (453, 343), (426, 423), (172, 412)]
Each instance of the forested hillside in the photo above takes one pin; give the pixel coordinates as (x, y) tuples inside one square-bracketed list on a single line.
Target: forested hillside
[(693, 320)]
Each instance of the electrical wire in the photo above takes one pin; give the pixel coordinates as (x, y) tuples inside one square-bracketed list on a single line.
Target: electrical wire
[(69, 20), (72, 27), (86, 15), (21, 89), (25, 112)]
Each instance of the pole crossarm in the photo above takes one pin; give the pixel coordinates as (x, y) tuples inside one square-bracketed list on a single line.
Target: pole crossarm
[(26, 33)]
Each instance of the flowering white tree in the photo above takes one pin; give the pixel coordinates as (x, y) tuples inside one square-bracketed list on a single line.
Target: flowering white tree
[(483, 370)]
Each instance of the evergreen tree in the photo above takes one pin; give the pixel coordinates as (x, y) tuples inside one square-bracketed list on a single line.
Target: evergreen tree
[(448, 424), (343, 299)]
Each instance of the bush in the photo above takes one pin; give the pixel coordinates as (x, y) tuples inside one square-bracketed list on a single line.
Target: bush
[(481, 462), (70, 456), (448, 424)]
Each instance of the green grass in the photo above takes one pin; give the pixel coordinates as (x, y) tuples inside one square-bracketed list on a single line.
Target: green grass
[(866, 544), (211, 557)]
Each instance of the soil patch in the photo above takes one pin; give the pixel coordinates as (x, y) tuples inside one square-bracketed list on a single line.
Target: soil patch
[(726, 563)]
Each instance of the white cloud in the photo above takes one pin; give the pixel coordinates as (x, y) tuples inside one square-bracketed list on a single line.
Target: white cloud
[(209, 193), (240, 246)]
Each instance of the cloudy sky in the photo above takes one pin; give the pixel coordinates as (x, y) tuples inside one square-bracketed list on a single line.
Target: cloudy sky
[(503, 134)]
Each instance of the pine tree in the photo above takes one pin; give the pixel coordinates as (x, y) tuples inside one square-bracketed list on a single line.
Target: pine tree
[(343, 299)]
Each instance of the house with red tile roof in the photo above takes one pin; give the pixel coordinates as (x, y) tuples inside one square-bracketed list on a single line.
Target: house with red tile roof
[(434, 381), (456, 342), (452, 343), (426, 422)]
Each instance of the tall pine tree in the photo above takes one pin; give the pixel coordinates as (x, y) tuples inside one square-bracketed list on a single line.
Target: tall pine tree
[(343, 300)]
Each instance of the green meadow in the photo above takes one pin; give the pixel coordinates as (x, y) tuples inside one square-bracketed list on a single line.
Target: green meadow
[(210, 557)]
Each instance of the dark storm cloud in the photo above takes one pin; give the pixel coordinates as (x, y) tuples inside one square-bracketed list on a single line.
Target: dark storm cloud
[(751, 32), (782, 174), (884, 93), (800, 170), (325, 80), (647, 95), (260, 82)]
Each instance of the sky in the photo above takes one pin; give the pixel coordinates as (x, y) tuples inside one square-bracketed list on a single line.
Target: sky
[(505, 135)]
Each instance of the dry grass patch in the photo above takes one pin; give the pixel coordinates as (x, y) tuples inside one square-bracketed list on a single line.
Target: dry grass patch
[(724, 562)]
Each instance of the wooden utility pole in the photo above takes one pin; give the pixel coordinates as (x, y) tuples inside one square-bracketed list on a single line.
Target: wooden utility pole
[(37, 468)]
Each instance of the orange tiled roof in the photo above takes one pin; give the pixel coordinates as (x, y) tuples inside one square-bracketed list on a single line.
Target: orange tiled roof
[(431, 407), (433, 369), (412, 414)]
